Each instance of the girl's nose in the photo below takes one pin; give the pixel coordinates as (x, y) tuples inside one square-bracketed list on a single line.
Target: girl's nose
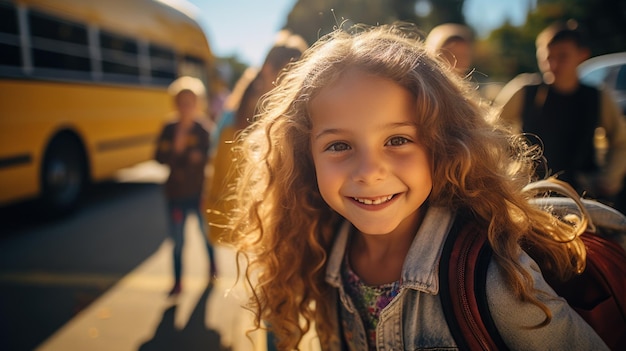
[(370, 167)]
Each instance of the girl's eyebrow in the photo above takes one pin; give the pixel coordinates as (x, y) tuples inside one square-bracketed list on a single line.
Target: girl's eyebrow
[(327, 131), (389, 126), (400, 124)]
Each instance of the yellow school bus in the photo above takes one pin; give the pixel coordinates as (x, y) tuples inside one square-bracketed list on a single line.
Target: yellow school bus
[(83, 89)]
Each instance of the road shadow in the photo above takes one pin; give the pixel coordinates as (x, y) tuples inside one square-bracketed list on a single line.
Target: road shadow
[(52, 269), (29, 214), (195, 336)]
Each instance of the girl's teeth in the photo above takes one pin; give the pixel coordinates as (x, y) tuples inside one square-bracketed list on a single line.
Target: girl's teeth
[(378, 201)]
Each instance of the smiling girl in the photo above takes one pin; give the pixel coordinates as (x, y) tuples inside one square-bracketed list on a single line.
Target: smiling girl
[(360, 161)]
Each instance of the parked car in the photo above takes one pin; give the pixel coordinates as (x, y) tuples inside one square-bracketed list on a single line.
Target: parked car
[(608, 71)]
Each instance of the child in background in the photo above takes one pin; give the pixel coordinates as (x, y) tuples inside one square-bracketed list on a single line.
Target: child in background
[(351, 176), (455, 43), (287, 48), (563, 114), (240, 105), (183, 146)]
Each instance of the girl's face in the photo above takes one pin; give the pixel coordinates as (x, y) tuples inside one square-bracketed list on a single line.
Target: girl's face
[(370, 165)]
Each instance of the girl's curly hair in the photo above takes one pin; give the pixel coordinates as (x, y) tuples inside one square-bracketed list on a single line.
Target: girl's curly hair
[(284, 229)]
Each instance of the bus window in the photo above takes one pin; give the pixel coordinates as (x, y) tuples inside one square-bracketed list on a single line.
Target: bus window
[(120, 56), (58, 44), (162, 64), (9, 37)]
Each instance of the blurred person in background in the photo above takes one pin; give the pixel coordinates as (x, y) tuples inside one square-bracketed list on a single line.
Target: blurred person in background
[(239, 111), (231, 104), (183, 146), (454, 43), (240, 108), (219, 94), (561, 114), (257, 81)]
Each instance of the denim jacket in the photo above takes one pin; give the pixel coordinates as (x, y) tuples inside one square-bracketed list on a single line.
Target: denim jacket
[(414, 319)]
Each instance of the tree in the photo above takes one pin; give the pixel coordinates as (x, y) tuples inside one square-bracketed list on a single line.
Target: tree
[(604, 22), (506, 52), (313, 18), (442, 11)]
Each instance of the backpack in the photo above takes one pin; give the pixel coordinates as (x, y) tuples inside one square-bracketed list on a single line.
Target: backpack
[(598, 294)]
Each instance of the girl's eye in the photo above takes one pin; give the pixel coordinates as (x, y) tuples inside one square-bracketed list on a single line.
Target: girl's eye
[(337, 147), (397, 141)]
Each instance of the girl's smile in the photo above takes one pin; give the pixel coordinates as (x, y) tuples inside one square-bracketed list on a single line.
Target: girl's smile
[(377, 203), (374, 201), (370, 164)]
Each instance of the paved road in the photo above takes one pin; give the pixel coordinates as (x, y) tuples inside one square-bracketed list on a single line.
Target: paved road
[(98, 280)]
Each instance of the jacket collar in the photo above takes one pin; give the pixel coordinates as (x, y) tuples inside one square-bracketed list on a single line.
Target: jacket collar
[(421, 266)]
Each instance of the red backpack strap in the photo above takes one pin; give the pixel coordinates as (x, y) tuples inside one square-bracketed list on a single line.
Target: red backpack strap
[(607, 261), (463, 273), (599, 293)]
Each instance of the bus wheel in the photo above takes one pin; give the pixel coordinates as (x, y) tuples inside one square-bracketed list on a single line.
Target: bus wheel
[(63, 176)]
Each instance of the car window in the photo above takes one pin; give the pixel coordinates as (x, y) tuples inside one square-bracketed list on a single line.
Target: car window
[(620, 83), (595, 77)]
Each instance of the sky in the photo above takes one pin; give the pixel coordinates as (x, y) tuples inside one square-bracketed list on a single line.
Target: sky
[(247, 28)]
